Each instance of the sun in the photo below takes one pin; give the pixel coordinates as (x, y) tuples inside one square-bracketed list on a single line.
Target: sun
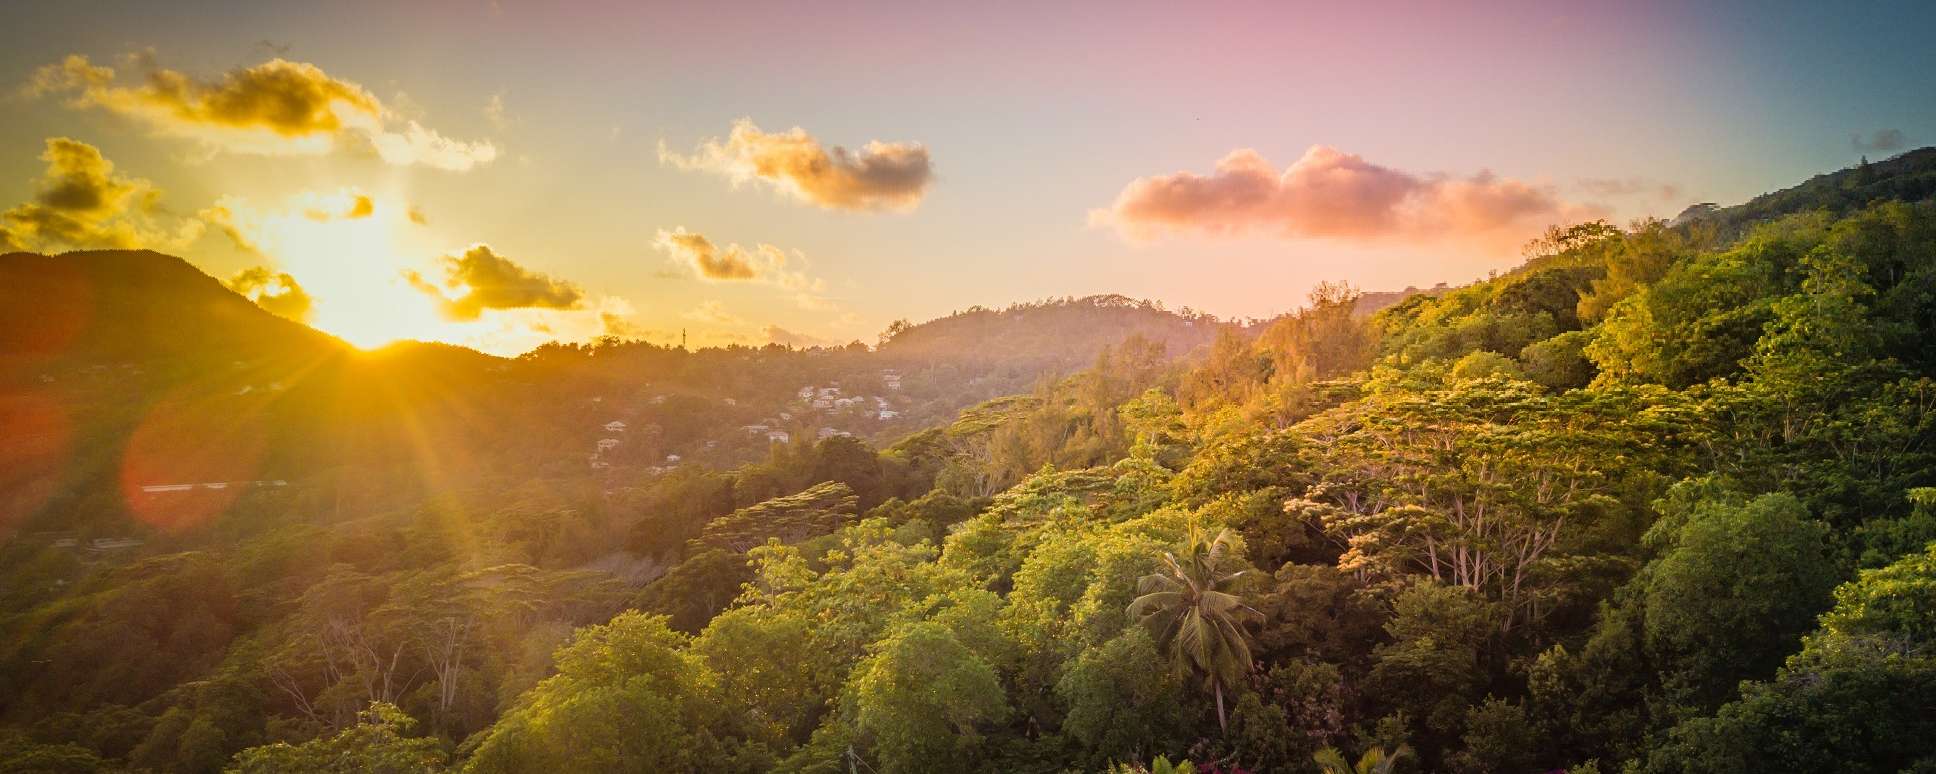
[(350, 252)]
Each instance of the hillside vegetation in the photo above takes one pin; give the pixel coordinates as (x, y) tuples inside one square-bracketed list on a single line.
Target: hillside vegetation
[(1661, 499)]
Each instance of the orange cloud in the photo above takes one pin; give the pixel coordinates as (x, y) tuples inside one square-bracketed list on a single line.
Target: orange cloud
[(80, 202), (277, 107), (485, 280), (763, 264), (274, 291), (881, 176), (706, 259), (1330, 194)]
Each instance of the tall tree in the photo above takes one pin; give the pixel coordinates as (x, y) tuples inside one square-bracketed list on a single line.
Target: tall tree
[(1193, 610)]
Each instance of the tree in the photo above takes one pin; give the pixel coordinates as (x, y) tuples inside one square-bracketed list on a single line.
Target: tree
[(1192, 608), (1740, 583), (1859, 697), (626, 697), (376, 744), (1482, 485), (817, 510), (1122, 702), (697, 589), (921, 698), (1436, 662)]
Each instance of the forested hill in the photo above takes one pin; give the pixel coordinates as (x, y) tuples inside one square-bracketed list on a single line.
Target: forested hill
[(105, 354), (1906, 177), (1662, 499), (116, 305), (1065, 332)]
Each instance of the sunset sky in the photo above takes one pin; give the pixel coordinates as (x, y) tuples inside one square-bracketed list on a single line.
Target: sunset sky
[(497, 174)]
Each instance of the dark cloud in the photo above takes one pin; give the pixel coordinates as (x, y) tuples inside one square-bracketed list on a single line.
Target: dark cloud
[(274, 291), (484, 280), (278, 106), (1327, 193), (880, 176), (79, 202), (1880, 141)]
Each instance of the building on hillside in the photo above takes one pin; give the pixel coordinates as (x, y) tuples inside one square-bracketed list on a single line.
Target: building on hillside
[(615, 426), (110, 545), (778, 436), (607, 444), (889, 413)]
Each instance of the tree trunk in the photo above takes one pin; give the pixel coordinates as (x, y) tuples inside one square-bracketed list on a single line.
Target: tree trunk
[(1218, 686)]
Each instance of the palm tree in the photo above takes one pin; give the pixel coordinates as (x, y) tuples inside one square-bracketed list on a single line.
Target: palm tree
[(1193, 612), (1374, 761)]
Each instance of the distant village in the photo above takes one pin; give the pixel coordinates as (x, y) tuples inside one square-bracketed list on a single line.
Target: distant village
[(817, 412)]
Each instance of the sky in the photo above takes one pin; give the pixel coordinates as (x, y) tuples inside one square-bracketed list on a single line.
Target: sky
[(499, 174)]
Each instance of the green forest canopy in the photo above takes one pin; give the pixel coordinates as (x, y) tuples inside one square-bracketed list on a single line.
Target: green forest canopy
[(1662, 499)]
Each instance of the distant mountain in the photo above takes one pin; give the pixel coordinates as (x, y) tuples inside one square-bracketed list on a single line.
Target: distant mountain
[(135, 306), (1065, 332), (1909, 177), (1370, 302), (124, 371)]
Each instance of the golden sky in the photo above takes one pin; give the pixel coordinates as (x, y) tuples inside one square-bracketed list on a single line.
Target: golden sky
[(499, 174)]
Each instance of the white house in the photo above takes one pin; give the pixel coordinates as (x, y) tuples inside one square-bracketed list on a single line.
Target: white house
[(605, 444), (778, 436), (615, 426), (889, 413)]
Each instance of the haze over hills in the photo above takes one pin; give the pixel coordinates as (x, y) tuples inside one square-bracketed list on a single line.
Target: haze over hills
[(95, 343)]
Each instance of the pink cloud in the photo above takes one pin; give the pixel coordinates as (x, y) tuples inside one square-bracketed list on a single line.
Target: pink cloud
[(1331, 194)]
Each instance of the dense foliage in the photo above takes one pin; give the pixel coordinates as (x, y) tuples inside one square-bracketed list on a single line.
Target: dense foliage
[(1663, 499)]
